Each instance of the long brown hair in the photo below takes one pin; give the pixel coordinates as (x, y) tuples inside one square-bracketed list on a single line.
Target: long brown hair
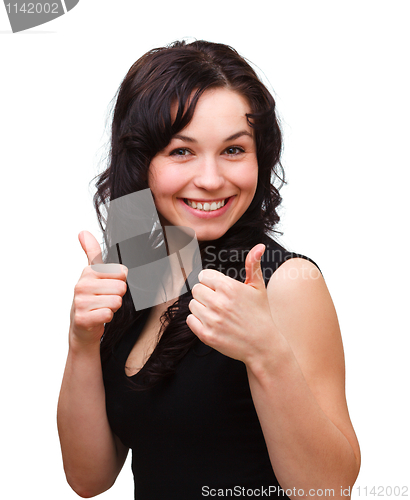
[(142, 126)]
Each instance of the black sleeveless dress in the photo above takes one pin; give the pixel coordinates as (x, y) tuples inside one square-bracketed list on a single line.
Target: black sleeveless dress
[(197, 433)]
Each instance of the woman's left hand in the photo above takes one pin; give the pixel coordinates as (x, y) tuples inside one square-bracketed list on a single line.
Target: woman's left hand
[(288, 337), (233, 317)]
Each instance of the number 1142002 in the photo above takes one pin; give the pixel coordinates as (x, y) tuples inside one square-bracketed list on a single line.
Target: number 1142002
[(33, 8), (382, 491)]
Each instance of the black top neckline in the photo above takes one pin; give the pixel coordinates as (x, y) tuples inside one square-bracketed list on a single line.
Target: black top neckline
[(123, 349)]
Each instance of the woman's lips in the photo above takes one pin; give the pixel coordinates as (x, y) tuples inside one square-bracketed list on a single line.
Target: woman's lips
[(202, 214)]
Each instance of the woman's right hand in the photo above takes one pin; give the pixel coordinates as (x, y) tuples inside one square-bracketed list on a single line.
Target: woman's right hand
[(97, 295), (92, 455)]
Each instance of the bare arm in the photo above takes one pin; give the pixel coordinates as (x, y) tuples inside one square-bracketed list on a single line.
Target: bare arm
[(298, 386), (92, 455)]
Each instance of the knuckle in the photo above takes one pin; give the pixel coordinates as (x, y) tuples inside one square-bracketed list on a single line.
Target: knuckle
[(81, 321), (125, 271), (208, 336), (117, 302), (215, 321), (87, 272), (107, 315), (83, 286), (122, 287), (219, 322), (226, 287), (79, 288), (78, 302), (223, 304)]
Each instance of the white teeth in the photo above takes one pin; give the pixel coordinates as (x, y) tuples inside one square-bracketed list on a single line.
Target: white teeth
[(207, 207)]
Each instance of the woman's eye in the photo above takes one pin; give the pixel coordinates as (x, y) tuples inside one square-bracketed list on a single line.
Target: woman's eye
[(234, 150), (180, 152)]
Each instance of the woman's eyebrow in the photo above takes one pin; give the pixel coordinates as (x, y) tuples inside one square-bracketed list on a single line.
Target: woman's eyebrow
[(237, 135), (184, 138), (230, 138)]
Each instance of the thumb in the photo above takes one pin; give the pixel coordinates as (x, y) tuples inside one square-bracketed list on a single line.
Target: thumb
[(253, 269), (91, 247)]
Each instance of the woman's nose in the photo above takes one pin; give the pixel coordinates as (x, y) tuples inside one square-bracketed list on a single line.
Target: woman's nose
[(209, 175)]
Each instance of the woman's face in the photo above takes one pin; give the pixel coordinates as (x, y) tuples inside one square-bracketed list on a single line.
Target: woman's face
[(207, 175)]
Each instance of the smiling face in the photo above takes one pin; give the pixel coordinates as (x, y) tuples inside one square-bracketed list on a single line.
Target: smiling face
[(207, 175)]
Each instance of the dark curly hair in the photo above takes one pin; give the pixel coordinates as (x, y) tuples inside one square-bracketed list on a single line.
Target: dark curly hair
[(143, 125)]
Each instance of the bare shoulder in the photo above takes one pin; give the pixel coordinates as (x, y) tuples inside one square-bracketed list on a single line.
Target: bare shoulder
[(303, 310), (295, 275)]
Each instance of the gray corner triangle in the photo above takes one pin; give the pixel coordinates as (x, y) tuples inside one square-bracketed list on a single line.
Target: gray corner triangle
[(70, 4)]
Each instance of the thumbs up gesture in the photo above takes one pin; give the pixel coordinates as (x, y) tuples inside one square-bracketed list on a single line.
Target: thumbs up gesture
[(97, 295), (232, 317)]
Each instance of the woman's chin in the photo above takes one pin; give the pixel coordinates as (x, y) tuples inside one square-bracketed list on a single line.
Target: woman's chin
[(208, 235)]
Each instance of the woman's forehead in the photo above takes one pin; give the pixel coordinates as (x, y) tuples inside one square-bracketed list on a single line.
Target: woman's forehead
[(222, 109)]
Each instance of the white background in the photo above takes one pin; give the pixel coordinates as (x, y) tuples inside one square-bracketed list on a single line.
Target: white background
[(340, 75)]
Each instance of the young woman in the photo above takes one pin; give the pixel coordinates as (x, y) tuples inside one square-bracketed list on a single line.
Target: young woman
[(237, 387)]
